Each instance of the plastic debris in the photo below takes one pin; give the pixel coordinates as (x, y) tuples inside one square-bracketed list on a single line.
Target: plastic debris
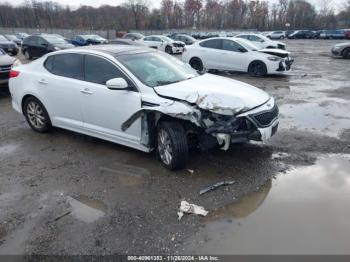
[(187, 208), (190, 171), (216, 186)]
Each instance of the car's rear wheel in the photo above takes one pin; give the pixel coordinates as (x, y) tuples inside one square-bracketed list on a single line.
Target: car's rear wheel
[(197, 64), (36, 115), (257, 68), (27, 55), (168, 50), (346, 53), (172, 145)]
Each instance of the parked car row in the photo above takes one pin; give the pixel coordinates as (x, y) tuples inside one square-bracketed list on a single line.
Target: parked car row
[(308, 34)]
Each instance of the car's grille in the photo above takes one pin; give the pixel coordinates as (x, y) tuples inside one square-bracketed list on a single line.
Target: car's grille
[(266, 118), (178, 45), (5, 68)]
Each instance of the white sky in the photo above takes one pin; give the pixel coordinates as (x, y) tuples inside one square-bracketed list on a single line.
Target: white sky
[(155, 3)]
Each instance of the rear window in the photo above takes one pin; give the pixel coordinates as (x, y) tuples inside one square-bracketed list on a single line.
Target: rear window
[(66, 65), (214, 44)]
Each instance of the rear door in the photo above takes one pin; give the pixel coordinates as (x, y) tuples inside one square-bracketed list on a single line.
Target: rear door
[(62, 85), (210, 53), (42, 46), (233, 57)]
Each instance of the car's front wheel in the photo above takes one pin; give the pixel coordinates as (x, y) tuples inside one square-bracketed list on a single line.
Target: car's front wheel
[(196, 64), (346, 53), (257, 68), (36, 115), (168, 50), (172, 145)]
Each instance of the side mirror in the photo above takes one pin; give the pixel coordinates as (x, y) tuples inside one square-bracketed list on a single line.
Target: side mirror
[(117, 84), (242, 50)]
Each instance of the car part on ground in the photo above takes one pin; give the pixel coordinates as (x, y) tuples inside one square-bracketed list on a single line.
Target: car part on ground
[(236, 54), (187, 208), (216, 186), (162, 103)]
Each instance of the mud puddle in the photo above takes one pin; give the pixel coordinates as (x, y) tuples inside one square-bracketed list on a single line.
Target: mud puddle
[(85, 209), (304, 211), (326, 118)]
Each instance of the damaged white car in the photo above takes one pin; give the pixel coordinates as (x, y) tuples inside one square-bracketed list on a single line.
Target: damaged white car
[(141, 98), (238, 55)]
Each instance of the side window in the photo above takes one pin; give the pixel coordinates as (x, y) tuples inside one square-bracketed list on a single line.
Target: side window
[(49, 63), (157, 39), (229, 45), (41, 41), (148, 39), (213, 44), (98, 70), (67, 65), (32, 40), (244, 36)]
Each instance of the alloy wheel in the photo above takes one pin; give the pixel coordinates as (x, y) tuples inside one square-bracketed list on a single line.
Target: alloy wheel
[(35, 115), (165, 147)]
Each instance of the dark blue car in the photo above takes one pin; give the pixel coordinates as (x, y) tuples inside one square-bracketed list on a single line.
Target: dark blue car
[(83, 40), (333, 34)]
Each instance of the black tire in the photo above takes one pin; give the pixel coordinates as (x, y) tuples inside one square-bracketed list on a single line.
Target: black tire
[(172, 145), (196, 64), (168, 50), (257, 68), (36, 114), (346, 53), (282, 37), (27, 55)]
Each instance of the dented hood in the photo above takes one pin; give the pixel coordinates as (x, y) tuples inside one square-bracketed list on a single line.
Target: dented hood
[(276, 52), (215, 93)]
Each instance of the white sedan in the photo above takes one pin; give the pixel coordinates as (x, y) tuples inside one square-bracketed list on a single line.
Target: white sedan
[(164, 44), (140, 98), (262, 41), (236, 54)]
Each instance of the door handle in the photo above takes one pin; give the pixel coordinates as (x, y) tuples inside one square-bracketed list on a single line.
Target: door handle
[(86, 91), (42, 82)]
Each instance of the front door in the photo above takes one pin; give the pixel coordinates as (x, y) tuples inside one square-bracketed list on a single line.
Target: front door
[(105, 110)]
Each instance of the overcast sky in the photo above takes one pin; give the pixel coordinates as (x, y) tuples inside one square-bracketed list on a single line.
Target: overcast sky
[(154, 3)]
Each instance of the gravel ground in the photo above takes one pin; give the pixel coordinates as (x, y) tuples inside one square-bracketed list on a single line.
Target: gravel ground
[(66, 193)]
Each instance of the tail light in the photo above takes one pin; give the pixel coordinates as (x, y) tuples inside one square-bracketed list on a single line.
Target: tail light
[(14, 73)]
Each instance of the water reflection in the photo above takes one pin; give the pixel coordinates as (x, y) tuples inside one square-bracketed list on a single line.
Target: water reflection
[(306, 212)]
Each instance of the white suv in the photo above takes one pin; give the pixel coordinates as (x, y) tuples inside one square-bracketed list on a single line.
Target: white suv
[(140, 98)]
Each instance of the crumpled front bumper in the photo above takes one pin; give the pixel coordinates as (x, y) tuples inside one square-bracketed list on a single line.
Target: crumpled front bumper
[(285, 64), (265, 120)]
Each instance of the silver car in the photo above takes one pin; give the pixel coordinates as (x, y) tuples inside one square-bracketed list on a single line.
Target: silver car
[(6, 63), (341, 50)]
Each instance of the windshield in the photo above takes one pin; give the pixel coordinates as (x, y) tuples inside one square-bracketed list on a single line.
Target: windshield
[(157, 69), (11, 37), (2, 38), (54, 39), (247, 44)]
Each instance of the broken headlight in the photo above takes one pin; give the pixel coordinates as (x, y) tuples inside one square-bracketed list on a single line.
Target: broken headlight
[(274, 58)]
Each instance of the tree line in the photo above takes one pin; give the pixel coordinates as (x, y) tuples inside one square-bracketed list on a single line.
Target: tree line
[(178, 14)]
